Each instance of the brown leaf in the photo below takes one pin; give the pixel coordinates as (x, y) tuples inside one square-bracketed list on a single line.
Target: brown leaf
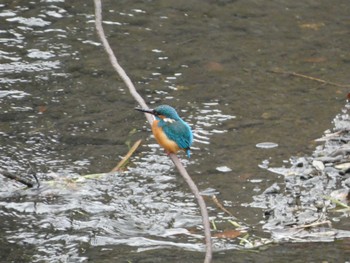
[(312, 26), (42, 108), (266, 115), (230, 233), (214, 66)]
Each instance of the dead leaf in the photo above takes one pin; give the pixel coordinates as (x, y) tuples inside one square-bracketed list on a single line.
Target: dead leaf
[(214, 66), (42, 108), (230, 233), (266, 115), (181, 87), (312, 26), (338, 91)]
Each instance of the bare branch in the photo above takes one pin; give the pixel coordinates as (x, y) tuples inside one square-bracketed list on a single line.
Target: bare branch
[(20, 179), (295, 74), (127, 156), (139, 99)]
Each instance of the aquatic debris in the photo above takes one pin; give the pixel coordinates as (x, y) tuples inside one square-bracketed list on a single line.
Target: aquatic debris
[(273, 189), (339, 197), (295, 74), (234, 223), (230, 233), (218, 204), (318, 165), (213, 225), (313, 26), (123, 162), (343, 167), (266, 145), (223, 169), (22, 179), (314, 187), (326, 222)]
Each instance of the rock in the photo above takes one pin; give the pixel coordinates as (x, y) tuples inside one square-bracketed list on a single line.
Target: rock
[(318, 165), (273, 189)]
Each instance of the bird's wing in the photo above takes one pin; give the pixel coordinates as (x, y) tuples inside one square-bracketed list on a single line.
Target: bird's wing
[(179, 132)]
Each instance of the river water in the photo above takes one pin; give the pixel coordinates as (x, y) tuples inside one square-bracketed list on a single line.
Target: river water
[(222, 64)]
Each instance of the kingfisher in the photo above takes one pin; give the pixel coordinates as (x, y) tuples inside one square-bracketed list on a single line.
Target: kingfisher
[(170, 131)]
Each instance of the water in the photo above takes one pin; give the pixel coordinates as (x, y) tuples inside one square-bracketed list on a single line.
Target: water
[(65, 113)]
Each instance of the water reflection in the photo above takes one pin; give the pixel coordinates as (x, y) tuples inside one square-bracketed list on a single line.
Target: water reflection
[(113, 209), (208, 120), (15, 94), (20, 67)]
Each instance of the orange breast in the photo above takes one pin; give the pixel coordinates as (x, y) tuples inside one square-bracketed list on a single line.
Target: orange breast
[(169, 145)]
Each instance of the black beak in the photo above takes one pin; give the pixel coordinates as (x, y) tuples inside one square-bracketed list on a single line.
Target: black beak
[(146, 111)]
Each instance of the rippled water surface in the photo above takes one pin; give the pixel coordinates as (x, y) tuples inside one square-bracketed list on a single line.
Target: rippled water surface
[(65, 114)]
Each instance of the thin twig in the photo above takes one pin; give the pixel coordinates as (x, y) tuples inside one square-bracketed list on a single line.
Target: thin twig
[(139, 99), (32, 171), (295, 74), (315, 224), (218, 204), (127, 156), (18, 178), (336, 201), (36, 179)]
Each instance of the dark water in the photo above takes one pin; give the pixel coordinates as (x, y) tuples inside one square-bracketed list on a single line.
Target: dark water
[(65, 113)]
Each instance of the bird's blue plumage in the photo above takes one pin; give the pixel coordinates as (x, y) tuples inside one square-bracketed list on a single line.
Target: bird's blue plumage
[(174, 127), (179, 132)]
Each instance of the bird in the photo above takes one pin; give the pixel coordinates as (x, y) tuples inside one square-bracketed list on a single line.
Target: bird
[(171, 132)]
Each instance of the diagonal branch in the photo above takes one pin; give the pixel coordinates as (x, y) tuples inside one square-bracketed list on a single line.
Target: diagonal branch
[(139, 99), (20, 179), (114, 61), (295, 74)]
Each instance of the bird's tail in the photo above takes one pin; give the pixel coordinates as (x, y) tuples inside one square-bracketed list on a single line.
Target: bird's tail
[(188, 152)]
